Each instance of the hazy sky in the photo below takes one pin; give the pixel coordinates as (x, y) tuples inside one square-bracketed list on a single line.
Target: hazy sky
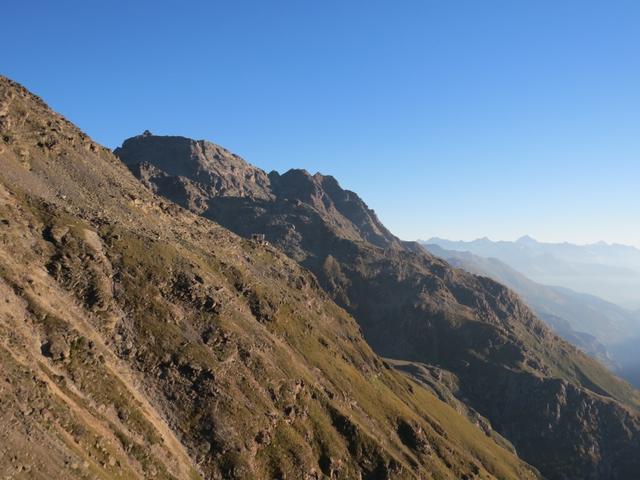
[(451, 118)]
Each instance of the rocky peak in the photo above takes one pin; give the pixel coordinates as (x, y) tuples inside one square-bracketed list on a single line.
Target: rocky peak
[(296, 184), (196, 173), (215, 169)]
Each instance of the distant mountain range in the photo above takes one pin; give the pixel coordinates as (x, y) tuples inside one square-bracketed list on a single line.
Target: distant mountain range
[(609, 271), (601, 328)]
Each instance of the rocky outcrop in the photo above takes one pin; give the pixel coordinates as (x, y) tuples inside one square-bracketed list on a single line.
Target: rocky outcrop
[(207, 178), (219, 171), (564, 412)]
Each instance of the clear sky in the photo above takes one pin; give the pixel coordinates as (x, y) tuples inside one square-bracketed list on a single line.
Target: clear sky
[(451, 118)]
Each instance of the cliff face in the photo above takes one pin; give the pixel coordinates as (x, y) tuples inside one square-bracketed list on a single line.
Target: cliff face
[(211, 167), (193, 173), (564, 412), (139, 340)]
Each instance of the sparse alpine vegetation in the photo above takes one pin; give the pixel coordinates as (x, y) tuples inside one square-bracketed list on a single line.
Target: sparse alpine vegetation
[(139, 340)]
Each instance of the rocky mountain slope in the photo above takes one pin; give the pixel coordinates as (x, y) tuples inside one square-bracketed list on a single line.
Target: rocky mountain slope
[(460, 333), (138, 340), (602, 329), (569, 315)]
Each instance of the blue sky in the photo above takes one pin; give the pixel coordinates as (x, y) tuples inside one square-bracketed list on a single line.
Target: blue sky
[(452, 118)]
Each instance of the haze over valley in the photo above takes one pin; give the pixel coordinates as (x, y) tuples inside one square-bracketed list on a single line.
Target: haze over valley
[(609, 271)]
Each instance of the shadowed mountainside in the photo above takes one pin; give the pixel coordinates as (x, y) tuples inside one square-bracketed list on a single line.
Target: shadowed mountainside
[(600, 328), (564, 412)]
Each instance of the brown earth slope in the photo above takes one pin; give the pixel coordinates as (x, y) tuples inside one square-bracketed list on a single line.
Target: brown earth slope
[(138, 340), (564, 412)]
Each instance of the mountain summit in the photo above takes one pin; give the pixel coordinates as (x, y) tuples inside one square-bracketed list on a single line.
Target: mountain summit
[(205, 177)]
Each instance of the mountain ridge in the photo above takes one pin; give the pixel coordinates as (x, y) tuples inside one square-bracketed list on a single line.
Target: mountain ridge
[(528, 239), (140, 339), (502, 360), (601, 328)]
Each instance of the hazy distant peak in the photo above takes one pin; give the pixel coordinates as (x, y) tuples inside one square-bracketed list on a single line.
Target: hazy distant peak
[(438, 241), (527, 240)]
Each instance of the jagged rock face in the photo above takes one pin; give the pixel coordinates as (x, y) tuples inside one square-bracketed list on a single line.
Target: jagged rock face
[(217, 170), (138, 340), (342, 209), (197, 172), (564, 412)]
